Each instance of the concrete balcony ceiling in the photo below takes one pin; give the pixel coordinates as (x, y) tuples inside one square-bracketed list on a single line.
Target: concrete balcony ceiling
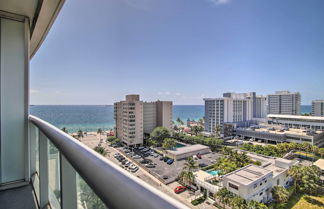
[(40, 13)]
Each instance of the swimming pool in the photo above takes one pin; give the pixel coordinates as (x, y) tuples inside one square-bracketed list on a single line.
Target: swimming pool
[(178, 145), (213, 172)]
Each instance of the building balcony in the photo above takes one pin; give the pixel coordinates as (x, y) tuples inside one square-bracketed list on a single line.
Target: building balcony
[(64, 173)]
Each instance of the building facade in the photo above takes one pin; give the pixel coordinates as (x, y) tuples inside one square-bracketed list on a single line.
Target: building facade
[(318, 108), (284, 102), (135, 118), (297, 121), (233, 108)]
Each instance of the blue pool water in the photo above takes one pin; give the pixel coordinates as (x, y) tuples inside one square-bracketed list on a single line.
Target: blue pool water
[(213, 172), (178, 145)]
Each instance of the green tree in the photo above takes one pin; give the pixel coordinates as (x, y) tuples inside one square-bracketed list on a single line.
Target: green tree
[(169, 143), (306, 178), (197, 129), (116, 141), (217, 131), (80, 134), (238, 203), (99, 131), (180, 121), (159, 134), (256, 205), (280, 194), (100, 150), (224, 196), (65, 130), (111, 138), (186, 176)]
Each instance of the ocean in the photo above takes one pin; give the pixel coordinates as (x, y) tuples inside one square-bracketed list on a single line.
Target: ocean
[(91, 117)]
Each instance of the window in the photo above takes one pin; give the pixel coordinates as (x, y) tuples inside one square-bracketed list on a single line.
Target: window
[(233, 186), (255, 185), (261, 193), (278, 181)]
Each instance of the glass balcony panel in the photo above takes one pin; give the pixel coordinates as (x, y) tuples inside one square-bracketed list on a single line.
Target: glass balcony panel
[(87, 199), (54, 178)]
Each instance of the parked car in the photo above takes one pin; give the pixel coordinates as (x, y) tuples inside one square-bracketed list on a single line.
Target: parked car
[(134, 170), (150, 165), (165, 159), (199, 156), (140, 148), (165, 177), (161, 158), (155, 155), (170, 161), (145, 161), (137, 157), (179, 189)]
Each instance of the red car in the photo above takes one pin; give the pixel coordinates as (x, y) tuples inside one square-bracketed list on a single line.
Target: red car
[(179, 189), (199, 156)]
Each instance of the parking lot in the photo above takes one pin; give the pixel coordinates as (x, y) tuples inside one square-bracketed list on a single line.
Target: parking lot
[(159, 167)]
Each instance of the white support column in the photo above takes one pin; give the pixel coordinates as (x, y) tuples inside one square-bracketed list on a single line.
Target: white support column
[(33, 148), (68, 185), (43, 169)]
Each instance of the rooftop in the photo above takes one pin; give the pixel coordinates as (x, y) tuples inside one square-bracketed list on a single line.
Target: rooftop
[(186, 149), (290, 131), (320, 163), (301, 117), (248, 174)]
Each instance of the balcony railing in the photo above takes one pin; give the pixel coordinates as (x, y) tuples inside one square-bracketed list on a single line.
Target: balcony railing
[(68, 175)]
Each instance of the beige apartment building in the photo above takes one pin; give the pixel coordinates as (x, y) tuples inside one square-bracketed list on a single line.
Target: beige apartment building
[(135, 119)]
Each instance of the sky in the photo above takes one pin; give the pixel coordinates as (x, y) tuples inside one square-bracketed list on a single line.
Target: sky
[(179, 50)]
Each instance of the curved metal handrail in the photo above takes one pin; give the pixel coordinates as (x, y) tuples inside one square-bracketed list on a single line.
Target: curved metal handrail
[(115, 187)]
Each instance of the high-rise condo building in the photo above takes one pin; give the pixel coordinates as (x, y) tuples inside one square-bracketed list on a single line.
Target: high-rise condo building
[(318, 108), (134, 118), (284, 102), (229, 109)]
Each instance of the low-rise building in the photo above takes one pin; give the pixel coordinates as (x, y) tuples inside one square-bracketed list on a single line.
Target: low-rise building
[(279, 134), (297, 121), (187, 151), (255, 182)]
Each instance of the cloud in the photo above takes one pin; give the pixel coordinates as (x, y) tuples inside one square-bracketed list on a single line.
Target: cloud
[(219, 2), (33, 91)]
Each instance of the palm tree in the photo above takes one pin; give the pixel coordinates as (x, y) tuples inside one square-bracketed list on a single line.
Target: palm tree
[(186, 176), (168, 143), (256, 205), (238, 203), (100, 150), (99, 132), (224, 196), (65, 130), (296, 173), (179, 121), (280, 194), (80, 133), (190, 164), (217, 131), (197, 129)]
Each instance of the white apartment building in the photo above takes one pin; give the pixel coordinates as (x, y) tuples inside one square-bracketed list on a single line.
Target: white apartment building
[(284, 102), (318, 108), (255, 182), (233, 108), (297, 121), (135, 118)]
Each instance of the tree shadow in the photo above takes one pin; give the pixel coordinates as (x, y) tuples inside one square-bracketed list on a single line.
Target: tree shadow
[(314, 201)]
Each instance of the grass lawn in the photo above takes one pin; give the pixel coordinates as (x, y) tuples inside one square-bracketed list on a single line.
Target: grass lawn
[(309, 202), (299, 201)]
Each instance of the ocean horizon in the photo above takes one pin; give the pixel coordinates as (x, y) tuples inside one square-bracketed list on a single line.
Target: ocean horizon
[(91, 117)]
